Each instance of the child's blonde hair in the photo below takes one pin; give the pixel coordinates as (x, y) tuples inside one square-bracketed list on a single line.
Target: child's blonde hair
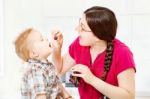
[(21, 45)]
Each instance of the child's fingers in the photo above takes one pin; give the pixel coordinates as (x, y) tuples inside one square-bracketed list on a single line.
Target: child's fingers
[(57, 35), (56, 39), (54, 33)]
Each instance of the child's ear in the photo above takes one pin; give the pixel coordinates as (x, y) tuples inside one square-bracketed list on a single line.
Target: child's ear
[(33, 54)]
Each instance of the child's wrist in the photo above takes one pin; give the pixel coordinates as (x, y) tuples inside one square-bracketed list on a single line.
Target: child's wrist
[(69, 97)]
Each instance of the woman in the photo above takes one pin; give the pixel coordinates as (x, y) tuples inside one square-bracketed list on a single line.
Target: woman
[(104, 64)]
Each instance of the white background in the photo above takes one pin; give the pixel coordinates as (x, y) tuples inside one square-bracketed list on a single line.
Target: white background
[(134, 30), (1, 38)]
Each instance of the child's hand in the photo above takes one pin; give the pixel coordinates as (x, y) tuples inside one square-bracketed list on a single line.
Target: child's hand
[(70, 97), (56, 40)]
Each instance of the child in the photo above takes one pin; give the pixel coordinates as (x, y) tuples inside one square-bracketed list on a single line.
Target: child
[(40, 80)]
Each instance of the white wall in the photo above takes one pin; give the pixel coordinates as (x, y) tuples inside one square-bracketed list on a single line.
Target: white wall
[(18, 14), (133, 17), (1, 37)]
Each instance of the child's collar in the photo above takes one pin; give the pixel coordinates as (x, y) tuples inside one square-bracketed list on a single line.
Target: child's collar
[(44, 62)]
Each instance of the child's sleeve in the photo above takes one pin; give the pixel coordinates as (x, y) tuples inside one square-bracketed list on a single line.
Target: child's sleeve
[(37, 82), (24, 88)]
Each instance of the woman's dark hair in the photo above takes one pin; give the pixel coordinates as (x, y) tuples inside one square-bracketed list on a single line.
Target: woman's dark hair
[(103, 24)]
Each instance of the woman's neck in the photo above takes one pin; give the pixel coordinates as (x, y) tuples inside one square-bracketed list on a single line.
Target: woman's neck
[(96, 49), (99, 46)]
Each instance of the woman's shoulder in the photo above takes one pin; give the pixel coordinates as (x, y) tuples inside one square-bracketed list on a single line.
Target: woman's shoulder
[(75, 42), (121, 49), (76, 45), (123, 56), (75, 49), (120, 46)]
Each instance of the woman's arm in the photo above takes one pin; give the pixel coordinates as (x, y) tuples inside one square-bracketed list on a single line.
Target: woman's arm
[(126, 89), (126, 81), (62, 63)]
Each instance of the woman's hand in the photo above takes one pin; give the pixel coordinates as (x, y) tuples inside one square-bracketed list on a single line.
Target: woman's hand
[(82, 71), (56, 40)]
